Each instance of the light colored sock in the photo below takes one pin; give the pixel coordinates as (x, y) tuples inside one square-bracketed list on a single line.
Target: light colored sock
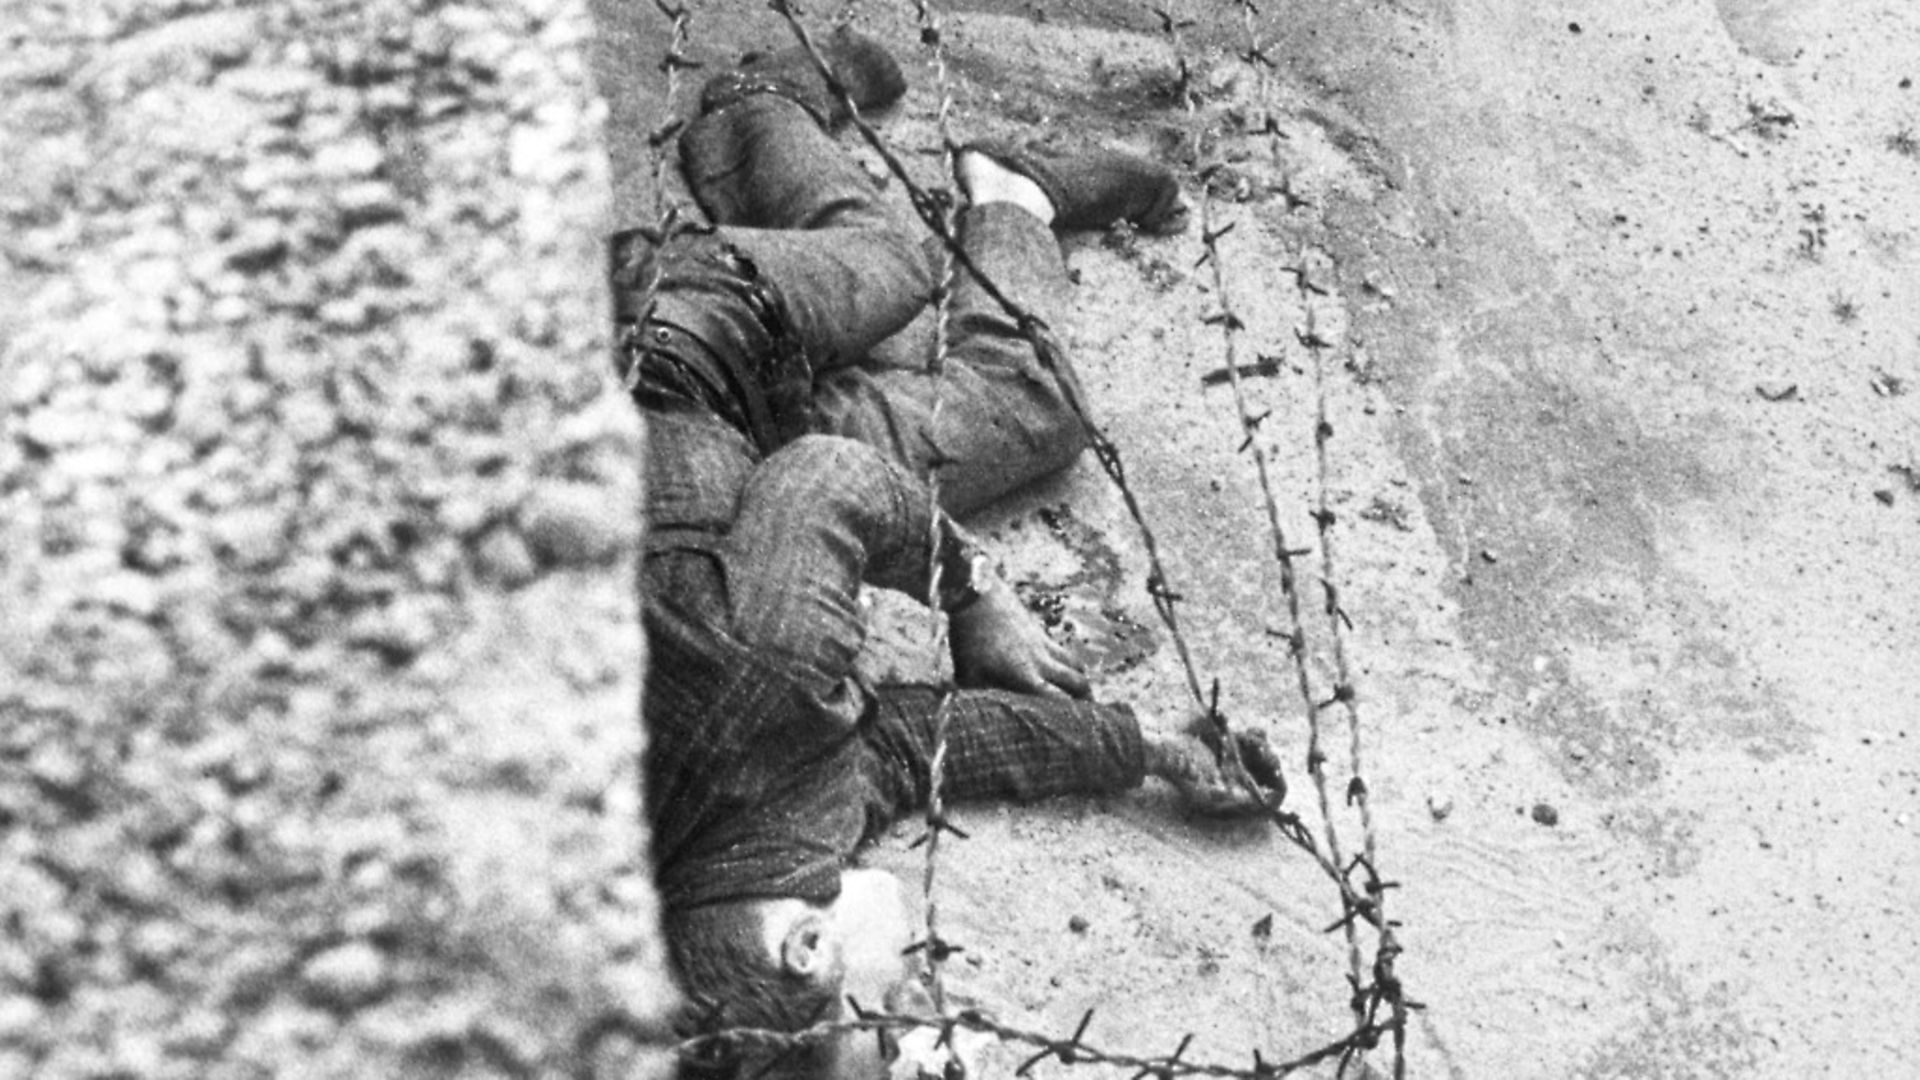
[(988, 181)]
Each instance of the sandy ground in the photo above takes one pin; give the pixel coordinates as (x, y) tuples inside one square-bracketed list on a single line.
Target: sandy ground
[(1623, 298)]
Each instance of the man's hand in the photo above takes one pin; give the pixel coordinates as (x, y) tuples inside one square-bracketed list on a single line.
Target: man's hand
[(1191, 763), (997, 642), (928, 1054)]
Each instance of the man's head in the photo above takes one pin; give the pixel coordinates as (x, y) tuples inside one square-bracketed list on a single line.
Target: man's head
[(786, 964)]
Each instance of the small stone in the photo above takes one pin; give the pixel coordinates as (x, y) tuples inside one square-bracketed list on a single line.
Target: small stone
[(369, 202), (347, 975), (307, 419), (1440, 806), (134, 593), (58, 766), (253, 536), (401, 631), (258, 246), (346, 313), (502, 556), (52, 428), (20, 1016), (271, 651), (1078, 924), (33, 380), (199, 1032), (349, 158), (230, 309), (1545, 814), (577, 524), (264, 83), (1885, 495), (158, 943)]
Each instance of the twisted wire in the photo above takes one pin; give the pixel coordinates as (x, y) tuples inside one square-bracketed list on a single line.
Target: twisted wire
[(937, 949), (1074, 1050), (670, 218), (1385, 987)]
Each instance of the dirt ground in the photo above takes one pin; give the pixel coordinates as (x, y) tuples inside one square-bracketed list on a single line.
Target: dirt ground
[(1626, 473)]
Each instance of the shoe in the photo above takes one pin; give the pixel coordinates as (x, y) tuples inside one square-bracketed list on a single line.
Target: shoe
[(1097, 189), (872, 78)]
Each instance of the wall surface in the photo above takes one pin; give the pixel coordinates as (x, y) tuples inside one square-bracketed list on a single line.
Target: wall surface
[(318, 504)]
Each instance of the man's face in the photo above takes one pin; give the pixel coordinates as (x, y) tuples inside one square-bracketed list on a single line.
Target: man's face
[(873, 929), (870, 919)]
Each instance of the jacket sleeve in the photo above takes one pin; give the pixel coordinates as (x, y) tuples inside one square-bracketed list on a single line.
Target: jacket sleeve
[(1000, 745)]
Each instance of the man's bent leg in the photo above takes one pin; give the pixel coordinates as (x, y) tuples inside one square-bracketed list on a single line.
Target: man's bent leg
[(801, 220), (1006, 416), (763, 162)]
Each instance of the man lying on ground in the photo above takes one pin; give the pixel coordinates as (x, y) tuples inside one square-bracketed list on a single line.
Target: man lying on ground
[(783, 477)]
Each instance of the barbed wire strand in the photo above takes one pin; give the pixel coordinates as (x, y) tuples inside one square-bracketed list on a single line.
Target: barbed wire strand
[(1231, 326), (1069, 1051), (1386, 984), (670, 219), (1284, 554), (936, 948), (1358, 793)]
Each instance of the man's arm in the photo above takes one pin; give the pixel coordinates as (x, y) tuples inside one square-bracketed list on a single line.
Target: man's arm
[(1024, 747), (1000, 746)]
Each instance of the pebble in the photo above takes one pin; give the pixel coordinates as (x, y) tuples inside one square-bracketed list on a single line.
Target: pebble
[(200, 1031), (1078, 924), (258, 246), (33, 380), (1545, 814), (346, 313), (57, 765), (1440, 806), (53, 428), (159, 943), (577, 524), (307, 419), (20, 1015), (267, 83), (403, 629), (369, 202), (134, 593), (347, 975), (254, 536), (502, 556), (350, 158), (271, 651)]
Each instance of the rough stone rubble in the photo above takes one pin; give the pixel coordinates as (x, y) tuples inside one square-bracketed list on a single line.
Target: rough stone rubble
[(318, 671)]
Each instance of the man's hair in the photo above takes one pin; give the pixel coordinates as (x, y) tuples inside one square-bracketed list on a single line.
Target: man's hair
[(722, 960)]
